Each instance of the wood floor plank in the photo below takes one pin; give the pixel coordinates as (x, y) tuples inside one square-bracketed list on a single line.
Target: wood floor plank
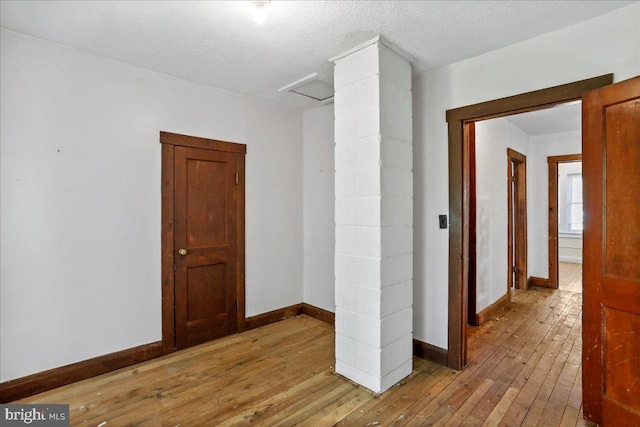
[(463, 412), (575, 397), (537, 367), (379, 405), (558, 400), (542, 397), (290, 401), (570, 277), (501, 408), (246, 390), (400, 411), (524, 369), (499, 348), (408, 405), (334, 412), (313, 406), (569, 417), (581, 421)]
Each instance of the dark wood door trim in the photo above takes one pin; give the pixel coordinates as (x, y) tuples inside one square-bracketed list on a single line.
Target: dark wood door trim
[(168, 276), (553, 213), (204, 143), (169, 141), (472, 315), (516, 220), (458, 119), (240, 221)]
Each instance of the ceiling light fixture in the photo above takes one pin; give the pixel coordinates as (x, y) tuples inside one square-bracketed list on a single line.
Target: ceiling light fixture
[(260, 13)]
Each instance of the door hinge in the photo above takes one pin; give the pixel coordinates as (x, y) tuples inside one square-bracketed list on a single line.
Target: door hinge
[(514, 270), (237, 305), (237, 177)]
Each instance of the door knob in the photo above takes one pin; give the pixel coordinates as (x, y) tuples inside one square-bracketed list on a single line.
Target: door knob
[(182, 252)]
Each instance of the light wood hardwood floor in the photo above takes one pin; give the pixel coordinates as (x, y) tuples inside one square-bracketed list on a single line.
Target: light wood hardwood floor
[(524, 369), (570, 276)]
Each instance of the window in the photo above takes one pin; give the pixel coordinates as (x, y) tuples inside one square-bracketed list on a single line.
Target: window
[(574, 202)]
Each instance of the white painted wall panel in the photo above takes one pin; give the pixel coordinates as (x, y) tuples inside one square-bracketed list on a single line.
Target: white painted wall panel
[(493, 137), (319, 212), (80, 206)]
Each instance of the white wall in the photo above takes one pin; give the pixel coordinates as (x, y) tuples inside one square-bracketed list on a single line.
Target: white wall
[(80, 206), (541, 147), (319, 204), (493, 137), (609, 43)]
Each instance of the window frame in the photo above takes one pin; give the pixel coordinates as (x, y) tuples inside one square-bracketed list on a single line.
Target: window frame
[(571, 202)]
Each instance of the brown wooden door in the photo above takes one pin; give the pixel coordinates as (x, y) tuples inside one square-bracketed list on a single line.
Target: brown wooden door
[(205, 243), (611, 318), (516, 221), (202, 239)]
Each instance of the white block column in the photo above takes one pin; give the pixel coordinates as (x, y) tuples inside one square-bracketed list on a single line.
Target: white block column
[(374, 214)]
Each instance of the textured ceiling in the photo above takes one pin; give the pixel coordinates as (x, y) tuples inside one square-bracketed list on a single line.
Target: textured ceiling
[(218, 44)]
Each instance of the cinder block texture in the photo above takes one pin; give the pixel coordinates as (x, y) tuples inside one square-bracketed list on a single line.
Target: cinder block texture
[(374, 216)]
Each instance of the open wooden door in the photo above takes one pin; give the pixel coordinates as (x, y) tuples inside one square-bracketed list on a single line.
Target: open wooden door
[(611, 317)]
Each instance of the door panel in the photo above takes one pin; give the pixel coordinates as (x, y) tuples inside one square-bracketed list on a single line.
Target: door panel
[(206, 291), (206, 203), (205, 227), (611, 318), (622, 174), (623, 346)]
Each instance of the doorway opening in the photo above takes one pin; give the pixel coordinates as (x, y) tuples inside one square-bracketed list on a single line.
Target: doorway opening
[(459, 122), (565, 222), (498, 217), (500, 245)]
